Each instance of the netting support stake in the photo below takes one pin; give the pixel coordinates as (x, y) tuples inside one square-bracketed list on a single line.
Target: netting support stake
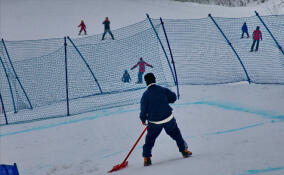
[(161, 46), (85, 63), (279, 46), (31, 107), (3, 108), (230, 44), (66, 76), (9, 83), (176, 82)]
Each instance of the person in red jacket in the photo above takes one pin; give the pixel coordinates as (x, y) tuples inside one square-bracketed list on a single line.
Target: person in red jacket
[(141, 63), (83, 27), (256, 37)]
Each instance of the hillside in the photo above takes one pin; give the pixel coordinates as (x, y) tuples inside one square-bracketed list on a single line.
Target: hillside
[(232, 129)]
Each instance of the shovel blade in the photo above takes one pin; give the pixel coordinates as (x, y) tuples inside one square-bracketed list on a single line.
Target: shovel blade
[(119, 166)]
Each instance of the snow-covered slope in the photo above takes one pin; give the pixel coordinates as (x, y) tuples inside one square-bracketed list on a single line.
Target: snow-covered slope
[(38, 19), (234, 129), (231, 129)]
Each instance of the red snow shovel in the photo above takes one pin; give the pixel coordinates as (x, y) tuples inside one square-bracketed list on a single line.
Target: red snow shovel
[(125, 163)]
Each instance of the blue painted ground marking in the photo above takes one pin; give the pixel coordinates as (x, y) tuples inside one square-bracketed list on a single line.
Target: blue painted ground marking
[(118, 152), (249, 172), (112, 154), (265, 114), (235, 130), (105, 113)]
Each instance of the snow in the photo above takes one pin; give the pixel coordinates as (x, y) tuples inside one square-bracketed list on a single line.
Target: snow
[(38, 19), (232, 129)]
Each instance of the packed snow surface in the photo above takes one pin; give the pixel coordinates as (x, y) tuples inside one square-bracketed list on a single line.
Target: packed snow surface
[(232, 129)]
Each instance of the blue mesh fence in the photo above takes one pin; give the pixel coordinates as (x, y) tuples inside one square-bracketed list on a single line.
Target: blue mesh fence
[(201, 54), (265, 65), (42, 72), (275, 23)]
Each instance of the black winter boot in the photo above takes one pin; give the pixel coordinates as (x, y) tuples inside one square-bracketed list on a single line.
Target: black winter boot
[(147, 161), (186, 153)]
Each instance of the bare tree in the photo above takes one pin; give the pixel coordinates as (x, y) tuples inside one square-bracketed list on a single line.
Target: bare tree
[(275, 8)]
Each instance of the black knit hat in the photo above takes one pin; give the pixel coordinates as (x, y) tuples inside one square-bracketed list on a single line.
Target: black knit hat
[(150, 78)]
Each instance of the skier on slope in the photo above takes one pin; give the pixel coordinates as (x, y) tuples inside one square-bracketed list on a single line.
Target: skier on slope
[(256, 37), (141, 63), (156, 110), (245, 30), (83, 27), (126, 77), (106, 24)]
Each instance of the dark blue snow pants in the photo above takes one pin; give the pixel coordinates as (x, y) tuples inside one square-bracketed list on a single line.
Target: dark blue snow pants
[(154, 131), (107, 31), (252, 46), (140, 75)]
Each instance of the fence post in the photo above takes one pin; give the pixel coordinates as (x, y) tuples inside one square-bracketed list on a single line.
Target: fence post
[(230, 44), (10, 87), (16, 74), (162, 22), (279, 46), (85, 63), (66, 76), (3, 108), (161, 46)]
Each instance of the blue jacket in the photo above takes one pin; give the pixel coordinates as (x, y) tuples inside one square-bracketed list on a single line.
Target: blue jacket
[(244, 28), (155, 103), (107, 24)]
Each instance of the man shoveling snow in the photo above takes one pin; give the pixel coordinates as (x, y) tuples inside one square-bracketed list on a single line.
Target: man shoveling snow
[(156, 110)]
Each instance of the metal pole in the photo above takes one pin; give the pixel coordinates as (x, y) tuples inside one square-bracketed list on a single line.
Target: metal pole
[(230, 44), (66, 76), (85, 63), (279, 46), (161, 46), (176, 82), (3, 109), (9, 83), (16, 74)]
